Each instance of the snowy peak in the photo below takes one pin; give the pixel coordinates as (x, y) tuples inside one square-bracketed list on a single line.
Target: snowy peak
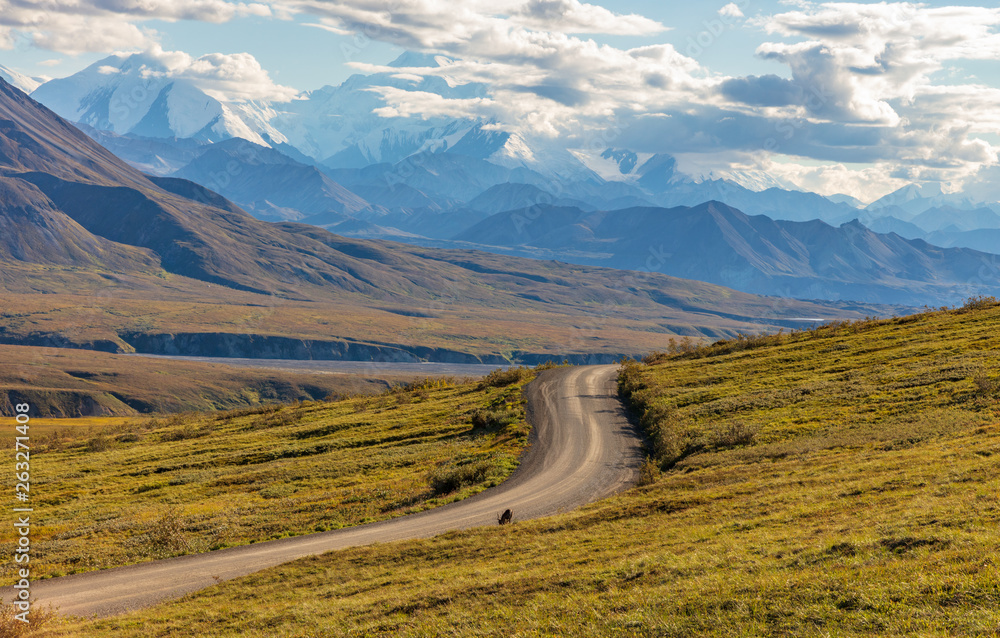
[(412, 59), (658, 172), (914, 199), (613, 164), (481, 143), (134, 94), (19, 80)]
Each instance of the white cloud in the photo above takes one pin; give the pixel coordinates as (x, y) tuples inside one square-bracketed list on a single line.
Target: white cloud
[(571, 16), (108, 70), (541, 77), (426, 105), (731, 10), (71, 26), (228, 77), (867, 86)]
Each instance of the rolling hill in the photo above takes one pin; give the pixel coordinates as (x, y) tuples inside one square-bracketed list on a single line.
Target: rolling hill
[(833, 482)]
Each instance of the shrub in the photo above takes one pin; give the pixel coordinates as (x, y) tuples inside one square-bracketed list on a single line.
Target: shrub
[(500, 378), (448, 478), (493, 419), (649, 472), (985, 385), (99, 443), (188, 432), (11, 627), (548, 365), (981, 302), (735, 433)]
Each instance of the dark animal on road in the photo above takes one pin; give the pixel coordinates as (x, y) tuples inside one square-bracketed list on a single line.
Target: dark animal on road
[(504, 518)]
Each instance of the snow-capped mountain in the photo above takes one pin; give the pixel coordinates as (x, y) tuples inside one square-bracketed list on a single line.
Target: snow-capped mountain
[(134, 94), (624, 165), (914, 199), (344, 126), (20, 80), (841, 198)]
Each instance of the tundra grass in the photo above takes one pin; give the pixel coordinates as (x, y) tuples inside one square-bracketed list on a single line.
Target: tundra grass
[(842, 482), (550, 313), (115, 492)]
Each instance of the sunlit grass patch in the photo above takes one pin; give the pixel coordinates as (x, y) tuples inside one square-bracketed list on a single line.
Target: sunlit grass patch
[(114, 491), (842, 482)]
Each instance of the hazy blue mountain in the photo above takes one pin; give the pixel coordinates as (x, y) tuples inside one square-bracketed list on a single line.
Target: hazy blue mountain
[(841, 198), (949, 218), (510, 196), (984, 239), (914, 199), (717, 243), (150, 155), (890, 224), (269, 184)]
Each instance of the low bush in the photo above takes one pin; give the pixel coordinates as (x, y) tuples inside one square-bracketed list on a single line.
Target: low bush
[(449, 478), (501, 378), (493, 419)]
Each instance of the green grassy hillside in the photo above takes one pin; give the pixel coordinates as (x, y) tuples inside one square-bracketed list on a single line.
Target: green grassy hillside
[(119, 491), (839, 482)]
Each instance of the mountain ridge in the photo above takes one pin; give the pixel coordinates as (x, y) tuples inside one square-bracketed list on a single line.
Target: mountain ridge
[(178, 245)]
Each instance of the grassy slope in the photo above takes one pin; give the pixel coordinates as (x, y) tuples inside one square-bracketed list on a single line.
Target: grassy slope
[(865, 502), (121, 491), (68, 383)]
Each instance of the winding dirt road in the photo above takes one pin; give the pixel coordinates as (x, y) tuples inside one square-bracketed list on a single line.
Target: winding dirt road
[(583, 449)]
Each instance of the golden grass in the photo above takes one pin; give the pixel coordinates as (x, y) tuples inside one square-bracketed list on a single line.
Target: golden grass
[(113, 491), (866, 502)]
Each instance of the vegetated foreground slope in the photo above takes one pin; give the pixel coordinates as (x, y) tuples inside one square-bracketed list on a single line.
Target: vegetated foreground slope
[(77, 220), (838, 482), (140, 489)]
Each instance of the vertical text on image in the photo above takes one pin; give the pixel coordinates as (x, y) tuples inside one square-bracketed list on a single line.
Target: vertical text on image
[(22, 513)]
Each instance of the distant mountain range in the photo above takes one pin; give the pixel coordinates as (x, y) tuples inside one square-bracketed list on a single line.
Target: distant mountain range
[(73, 216), (717, 243), (327, 160)]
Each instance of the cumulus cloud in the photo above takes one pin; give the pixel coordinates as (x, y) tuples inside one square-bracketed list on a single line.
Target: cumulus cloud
[(878, 67), (70, 26), (571, 16), (543, 77), (731, 10), (426, 105), (865, 82), (236, 77)]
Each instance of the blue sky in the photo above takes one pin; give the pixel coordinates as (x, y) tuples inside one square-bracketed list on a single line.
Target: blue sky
[(307, 58), (835, 97)]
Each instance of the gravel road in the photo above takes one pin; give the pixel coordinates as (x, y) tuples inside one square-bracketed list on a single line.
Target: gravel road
[(582, 449)]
